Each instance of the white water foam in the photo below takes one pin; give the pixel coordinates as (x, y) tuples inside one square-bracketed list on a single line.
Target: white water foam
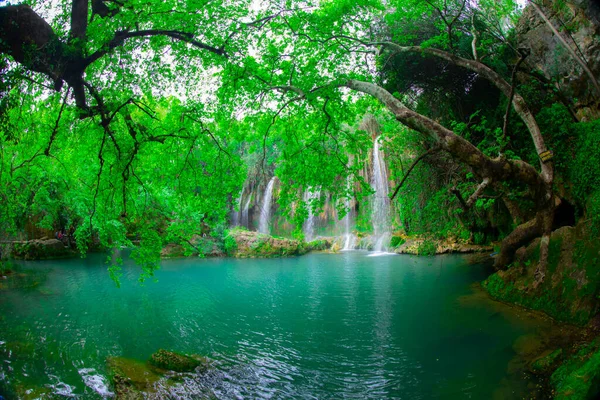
[(96, 382)]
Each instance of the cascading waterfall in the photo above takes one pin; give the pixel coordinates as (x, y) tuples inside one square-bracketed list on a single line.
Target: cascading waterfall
[(349, 238), (309, 224), (235, 217), (265, 212), (380, 214), (244, 211)]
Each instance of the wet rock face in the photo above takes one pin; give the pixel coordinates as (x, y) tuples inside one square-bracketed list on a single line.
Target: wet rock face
[(578, 21)]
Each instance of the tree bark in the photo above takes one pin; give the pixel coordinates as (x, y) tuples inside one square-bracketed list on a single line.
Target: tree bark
[(79, 21), (30, 40)]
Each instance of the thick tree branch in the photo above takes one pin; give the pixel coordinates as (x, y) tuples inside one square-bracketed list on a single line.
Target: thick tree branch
[(30, 40), (478, 192), (79, 21), (499, 168), (475, 38), (493, 77), (121, 36)]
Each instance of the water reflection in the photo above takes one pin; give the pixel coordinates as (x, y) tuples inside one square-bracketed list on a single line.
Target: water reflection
[(320, 326)]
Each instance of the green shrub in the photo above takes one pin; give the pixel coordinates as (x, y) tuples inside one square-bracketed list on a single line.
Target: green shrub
[(229, 244), (478, 238), (397, 241), (427, 248)]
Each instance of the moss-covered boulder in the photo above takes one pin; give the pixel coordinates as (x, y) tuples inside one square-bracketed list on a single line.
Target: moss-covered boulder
[(131, 378), (578, 378), (253, 244), (171, 361), (570, 289), (136, 380)]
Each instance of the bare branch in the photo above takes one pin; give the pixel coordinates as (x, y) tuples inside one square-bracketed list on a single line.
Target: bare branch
[(414, 164), (478, 192), (513, 78), (55, 130)]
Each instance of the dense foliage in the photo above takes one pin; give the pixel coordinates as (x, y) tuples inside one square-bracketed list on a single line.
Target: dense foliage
[(138, 122)]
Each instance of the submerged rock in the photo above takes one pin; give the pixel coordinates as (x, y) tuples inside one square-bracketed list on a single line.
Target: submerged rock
[(171, 361), (131, 378)]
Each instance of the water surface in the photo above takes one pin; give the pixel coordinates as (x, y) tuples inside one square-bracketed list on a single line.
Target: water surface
[(321, 326)]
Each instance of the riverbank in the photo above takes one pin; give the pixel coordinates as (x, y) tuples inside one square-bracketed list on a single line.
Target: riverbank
[(567, 291)]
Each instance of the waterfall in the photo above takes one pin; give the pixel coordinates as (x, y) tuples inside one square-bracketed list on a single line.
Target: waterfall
[(235, 216), (349, 238), (265, 212), (309, 224), (245, 222), (380, 214)]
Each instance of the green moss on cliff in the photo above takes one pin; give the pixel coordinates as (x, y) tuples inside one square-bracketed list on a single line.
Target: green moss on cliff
[(579, 377), (569, 291), (556, 302)]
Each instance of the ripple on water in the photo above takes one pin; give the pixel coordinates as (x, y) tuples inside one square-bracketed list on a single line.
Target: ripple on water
[(320, 326)]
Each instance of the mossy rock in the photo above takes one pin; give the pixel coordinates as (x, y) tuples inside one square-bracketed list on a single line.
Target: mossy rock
[(131, 378), (125, 389), (579, 377), (171, 361), (546, 362), (569, 291), (253, 244)]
